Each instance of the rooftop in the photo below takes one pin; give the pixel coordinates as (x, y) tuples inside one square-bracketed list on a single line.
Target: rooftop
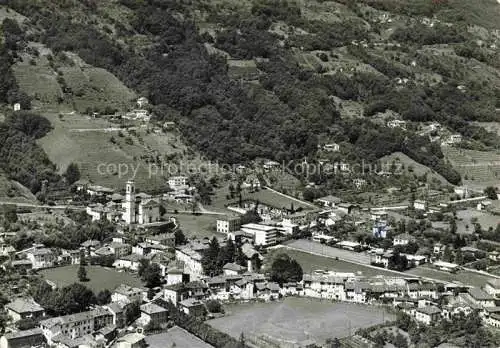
[(152, 308), (28, 305), (429, 310)]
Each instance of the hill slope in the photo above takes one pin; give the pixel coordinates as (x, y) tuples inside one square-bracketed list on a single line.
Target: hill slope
[(300, 73)]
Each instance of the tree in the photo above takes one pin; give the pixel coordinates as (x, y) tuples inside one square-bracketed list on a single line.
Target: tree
[(72, 173), (26, 324), (10, 213), (152, 276), (210, 258), (103, 297), (491, 192), (82, 274), (241, 341), (132, 312), (400, 341), (214, 306), (285, 269), (180, 238)]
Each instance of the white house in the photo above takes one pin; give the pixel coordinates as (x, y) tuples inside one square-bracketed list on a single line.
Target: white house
[(324, 286), (41, 258), (402, 239), (233, 269), (127, 294), (152, 314), (178, 182), (419, 204), (76, 325), (22, 308), (328, 201), (333, 147), (492, 287), (428, 315), (191, 260), (227, 225)]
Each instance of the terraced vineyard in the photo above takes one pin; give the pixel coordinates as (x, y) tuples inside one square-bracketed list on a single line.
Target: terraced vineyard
[(478, 169)]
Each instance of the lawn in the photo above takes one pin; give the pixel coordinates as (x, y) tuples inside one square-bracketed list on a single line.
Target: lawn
[(197, 225), (296, 319), (465, 277), (100, 278), (311, 262)]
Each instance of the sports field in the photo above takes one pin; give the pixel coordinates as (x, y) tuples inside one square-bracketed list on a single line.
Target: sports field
[(100, 278), (296, 319)]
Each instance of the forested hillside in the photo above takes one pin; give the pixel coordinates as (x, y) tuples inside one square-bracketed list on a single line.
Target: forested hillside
[(292, 68)]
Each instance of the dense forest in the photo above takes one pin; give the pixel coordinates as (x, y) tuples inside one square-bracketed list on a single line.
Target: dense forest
[(282, 116)]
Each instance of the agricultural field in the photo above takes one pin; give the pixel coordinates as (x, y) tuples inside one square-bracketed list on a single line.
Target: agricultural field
[(477, 168), (100, 278), (296, 319)]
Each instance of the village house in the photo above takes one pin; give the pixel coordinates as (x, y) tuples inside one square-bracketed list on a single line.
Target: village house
[(41, 258), (381, 258), (492, 287), (23, 308), (324, 286), (267, 291), (99, 191), (70, 257), (127, 294), (23, 338), (233, 269), (228, 224), (396, 124), (131, 262), (420, 204), (178, 183), (192, 307), (480, 298), (446, 266), (154, 315), (117, 310), (491, 316), (176, 293), (165, 239), (422, 290), (191, 260), (131, 340), (332, 147), (328, 201), (120, 249), (356, 291), (402, 239), (428, 315), (76, 325)]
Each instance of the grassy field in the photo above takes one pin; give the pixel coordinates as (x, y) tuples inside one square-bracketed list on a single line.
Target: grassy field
[(197, 225), (311, 262), (296, 319), (13, 191), (100, 278), (418, 169), (465, 277)]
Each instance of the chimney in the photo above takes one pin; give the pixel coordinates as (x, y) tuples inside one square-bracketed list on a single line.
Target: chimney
[(249, 265)]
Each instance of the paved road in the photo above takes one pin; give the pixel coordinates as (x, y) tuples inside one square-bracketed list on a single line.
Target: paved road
[(33, 205)]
